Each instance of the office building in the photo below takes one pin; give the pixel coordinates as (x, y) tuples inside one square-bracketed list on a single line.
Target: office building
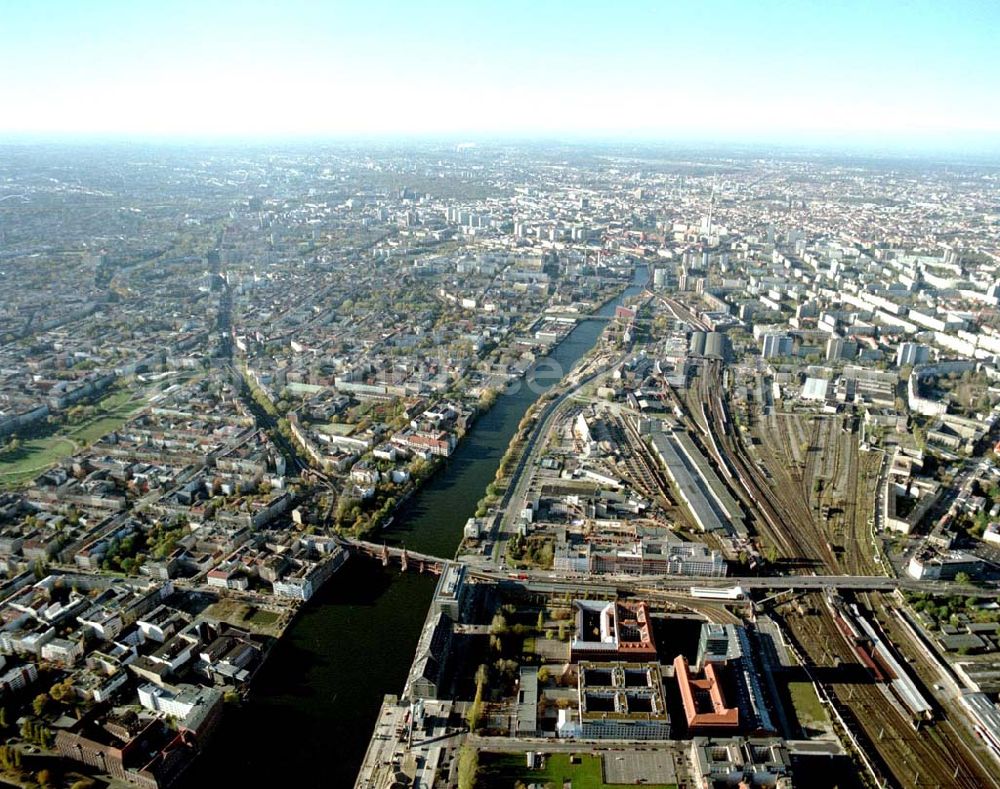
[(838, 348), (750, 763), (776, 346), (705, 705), (612, 631)]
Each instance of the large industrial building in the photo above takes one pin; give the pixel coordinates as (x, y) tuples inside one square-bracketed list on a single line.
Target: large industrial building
[(713, 345), (698, 485), (729, 645)]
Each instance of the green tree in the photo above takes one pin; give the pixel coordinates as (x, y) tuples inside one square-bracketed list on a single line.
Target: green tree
[(771, 554), (499, 624), (474, 714), (40, 703), (468, 767)]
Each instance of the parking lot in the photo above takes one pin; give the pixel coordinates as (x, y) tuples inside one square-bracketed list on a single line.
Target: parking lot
[(633, 767)]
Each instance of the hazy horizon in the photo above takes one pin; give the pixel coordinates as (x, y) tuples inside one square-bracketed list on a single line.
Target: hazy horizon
[(979, 152), (911, 76)]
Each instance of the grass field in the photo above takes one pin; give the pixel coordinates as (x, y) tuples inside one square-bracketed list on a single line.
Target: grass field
[(256, 620), (335, 428), (807, 705), (34, 456), (263, 619), (503, 771), (113, 412), (42, 451)]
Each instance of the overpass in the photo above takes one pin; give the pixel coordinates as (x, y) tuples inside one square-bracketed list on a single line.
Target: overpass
[(608, 746)]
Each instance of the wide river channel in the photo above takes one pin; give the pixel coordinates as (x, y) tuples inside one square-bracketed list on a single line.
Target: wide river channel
[(313, 704)]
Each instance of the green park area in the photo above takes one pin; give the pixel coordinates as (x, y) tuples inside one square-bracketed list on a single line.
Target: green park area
[(24, 458), (807, 705), (560, 769), (244, 615)]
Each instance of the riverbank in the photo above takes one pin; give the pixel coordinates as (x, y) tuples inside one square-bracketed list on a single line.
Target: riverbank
[(313, 707)]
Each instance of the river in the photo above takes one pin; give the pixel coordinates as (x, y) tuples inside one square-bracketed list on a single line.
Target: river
[(313, 705)]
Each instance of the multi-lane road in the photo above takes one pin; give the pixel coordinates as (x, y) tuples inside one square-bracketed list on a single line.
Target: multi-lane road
[(522, 476)]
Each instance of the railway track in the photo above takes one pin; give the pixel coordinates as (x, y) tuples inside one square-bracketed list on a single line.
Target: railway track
[(931, 756), (755, 486), (810, 460), (857, 547), (793, 493), (834, 511), (637, 466), (901, 756)]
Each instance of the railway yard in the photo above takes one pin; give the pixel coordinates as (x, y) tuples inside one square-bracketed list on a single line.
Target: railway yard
[(805, 489), (812, 495), (796, 493), (904, 749), (758, 526)]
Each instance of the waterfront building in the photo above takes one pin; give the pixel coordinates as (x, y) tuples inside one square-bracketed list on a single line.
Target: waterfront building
[(449, 595), (427, 674)]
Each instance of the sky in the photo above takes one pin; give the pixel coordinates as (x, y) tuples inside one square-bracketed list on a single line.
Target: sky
[(747, 70)]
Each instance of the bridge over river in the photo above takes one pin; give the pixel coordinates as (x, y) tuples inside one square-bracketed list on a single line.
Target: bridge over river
[(554, 582)]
